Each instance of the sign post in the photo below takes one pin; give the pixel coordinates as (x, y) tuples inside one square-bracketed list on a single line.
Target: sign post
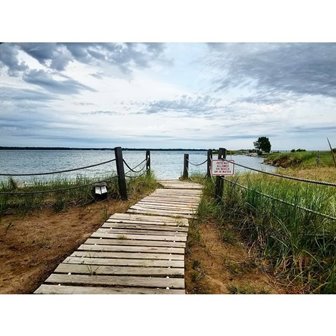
[(219, 180)]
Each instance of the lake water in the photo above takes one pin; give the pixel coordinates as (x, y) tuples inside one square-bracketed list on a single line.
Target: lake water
[(165, 164)]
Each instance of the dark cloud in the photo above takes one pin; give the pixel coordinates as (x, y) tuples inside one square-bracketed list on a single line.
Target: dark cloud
[(46, 81), (298, 68), (53, 55), (9, 59), (199, 105), (57, 56)]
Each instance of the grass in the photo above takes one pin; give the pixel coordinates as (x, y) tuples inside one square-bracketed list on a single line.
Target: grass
[(306, 159), (58, 195), (299, 246)]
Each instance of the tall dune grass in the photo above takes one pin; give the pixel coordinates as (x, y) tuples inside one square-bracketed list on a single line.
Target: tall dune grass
[(79, 191), (301, 246)]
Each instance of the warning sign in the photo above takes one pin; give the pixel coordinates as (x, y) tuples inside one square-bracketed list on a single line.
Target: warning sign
[(222, 168)]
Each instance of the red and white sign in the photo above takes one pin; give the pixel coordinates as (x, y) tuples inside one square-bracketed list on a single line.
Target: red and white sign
[(222, 168)]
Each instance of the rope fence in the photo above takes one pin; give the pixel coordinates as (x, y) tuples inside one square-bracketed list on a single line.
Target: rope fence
[(49, 191), (58, 171), (121, 175), (329, 184), (197, 164)]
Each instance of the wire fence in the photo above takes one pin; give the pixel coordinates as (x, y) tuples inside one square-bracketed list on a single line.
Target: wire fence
[(329, 184), (280, 200)]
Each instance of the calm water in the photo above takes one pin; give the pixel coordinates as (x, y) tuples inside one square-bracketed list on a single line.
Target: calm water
[(165, 164)]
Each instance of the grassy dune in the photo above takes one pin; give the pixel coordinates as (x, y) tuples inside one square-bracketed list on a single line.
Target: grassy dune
[(307, 159), (300, 246)]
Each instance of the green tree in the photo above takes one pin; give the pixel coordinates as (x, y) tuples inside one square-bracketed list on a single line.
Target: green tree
[(263, 144)]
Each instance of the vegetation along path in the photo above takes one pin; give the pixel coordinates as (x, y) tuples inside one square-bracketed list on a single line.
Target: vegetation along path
[(141, 251)]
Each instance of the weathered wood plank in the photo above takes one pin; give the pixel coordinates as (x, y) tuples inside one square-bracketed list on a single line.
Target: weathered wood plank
[(146, 249), (170, 200), (126, 255), (118, 270), (162, 219), (126, 242), (55, 289), (166, 206), (132, 222), (138, 211), (142, 232), (116, 281), (164, 212), (145, 227), (124, 262), (99, 234)]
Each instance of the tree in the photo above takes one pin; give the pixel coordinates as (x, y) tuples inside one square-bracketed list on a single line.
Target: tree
[(263, 144)]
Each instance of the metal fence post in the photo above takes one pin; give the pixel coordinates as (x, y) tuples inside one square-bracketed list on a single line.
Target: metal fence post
[(148, 163), (209, 157), (219, 181), (185, 166), (121, 173)]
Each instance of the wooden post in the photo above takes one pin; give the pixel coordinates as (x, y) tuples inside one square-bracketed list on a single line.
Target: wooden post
[(219, 181), (185, 166), (121, 173), (148, 163), (332, 152), (209, 157)]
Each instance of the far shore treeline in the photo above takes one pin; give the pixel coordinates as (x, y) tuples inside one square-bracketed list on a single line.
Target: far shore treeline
[(112, 148)]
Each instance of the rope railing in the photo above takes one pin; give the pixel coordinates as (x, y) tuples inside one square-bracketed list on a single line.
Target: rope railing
[(133, 169), (329, 184), (49, 191), (197, 164), (280, 200), (59, 171)]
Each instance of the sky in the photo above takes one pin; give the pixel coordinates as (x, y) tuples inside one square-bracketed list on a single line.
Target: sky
[(168, 95)]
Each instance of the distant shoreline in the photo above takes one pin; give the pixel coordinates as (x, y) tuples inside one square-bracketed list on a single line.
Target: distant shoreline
[(104, 149)]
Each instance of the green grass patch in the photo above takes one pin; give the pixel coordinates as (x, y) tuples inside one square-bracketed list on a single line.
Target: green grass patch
[(305, 159), (61, 193), (300, 246)]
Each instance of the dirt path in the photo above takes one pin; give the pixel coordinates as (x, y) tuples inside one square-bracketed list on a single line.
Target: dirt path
[(217, 264), (32, 246)]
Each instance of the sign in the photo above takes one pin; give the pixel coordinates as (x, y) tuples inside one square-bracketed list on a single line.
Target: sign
[(222, 168)]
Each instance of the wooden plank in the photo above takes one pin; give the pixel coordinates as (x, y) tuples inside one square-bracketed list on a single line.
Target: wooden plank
[(124, 262), (142, 232), (166, 206), (132, 222), (145, 227), (171, 200), (126, 255), (183, 212), (98, 234), (168, 202), (126, 242), (116, 281), (154, 213), (55, 289), (146, 249), (117, 270), (162, 219)]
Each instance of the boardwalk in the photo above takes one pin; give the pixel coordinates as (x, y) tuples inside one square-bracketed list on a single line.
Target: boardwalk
[(138, 252)]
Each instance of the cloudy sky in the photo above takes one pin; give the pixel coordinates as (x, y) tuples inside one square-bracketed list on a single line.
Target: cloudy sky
[(190, 95)]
